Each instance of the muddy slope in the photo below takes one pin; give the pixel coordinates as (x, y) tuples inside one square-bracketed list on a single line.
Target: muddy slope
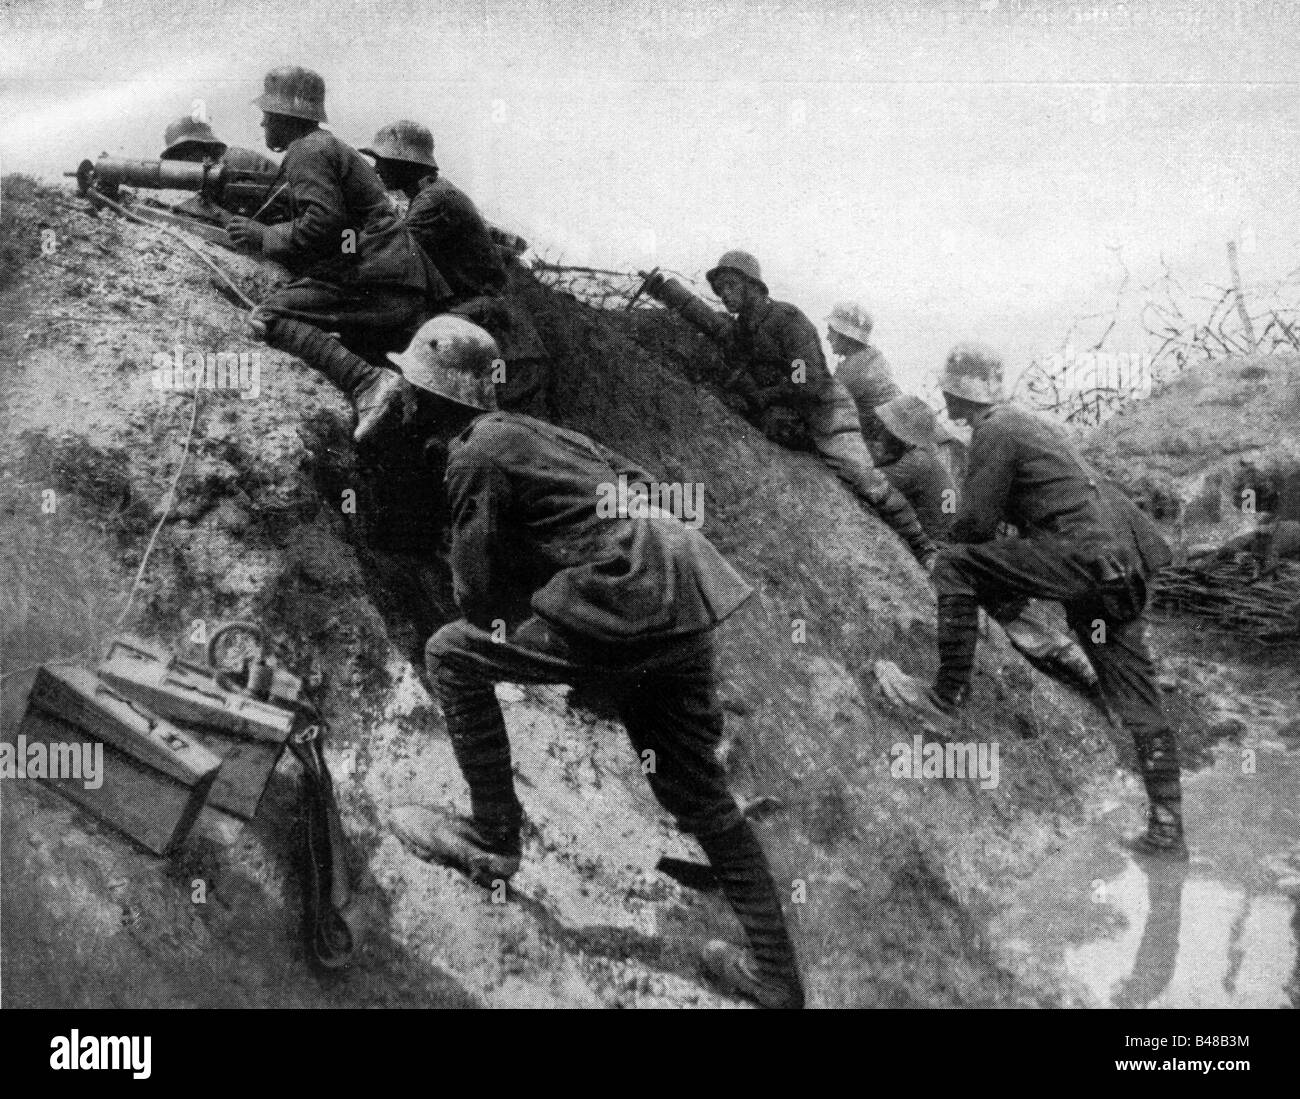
[(892, 881)]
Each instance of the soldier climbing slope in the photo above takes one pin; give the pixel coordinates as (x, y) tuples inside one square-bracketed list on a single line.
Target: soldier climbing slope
[(359, 271), (904, 451), (906, 448), (870, 382), (553, 592), (448, 226), (1082, 543), (780, 376)]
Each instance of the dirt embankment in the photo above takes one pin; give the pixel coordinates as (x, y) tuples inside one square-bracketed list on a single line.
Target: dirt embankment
[(891, 881), (1210, 454)]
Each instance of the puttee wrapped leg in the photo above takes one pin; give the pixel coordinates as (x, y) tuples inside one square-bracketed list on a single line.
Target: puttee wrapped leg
[(380, 397)]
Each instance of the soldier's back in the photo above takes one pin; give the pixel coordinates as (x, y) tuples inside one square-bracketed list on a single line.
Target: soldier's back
[(452, 232)]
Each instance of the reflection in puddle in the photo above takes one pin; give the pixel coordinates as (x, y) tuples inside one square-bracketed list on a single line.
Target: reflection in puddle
[(1188, 943), (1221, 932)]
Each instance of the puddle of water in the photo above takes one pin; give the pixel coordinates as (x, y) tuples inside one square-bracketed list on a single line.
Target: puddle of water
[(1220, 932)]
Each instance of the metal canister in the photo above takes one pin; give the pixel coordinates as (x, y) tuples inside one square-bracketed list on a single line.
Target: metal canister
[(694, 309)]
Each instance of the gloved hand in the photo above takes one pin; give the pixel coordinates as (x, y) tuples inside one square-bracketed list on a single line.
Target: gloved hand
[(654, 282), (246, 233)]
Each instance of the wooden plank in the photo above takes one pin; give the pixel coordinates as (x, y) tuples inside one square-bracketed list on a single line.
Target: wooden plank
[(1244, 316)]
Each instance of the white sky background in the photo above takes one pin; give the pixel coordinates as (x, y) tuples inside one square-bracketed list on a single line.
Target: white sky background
[(959, 167)]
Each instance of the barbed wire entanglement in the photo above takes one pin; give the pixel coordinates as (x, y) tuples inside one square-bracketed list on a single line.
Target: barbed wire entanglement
[(1236, 596), (602, 288), (1175, 327)]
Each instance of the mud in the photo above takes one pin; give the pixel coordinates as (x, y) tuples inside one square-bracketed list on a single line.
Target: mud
[(901, 885), (1220, 932)]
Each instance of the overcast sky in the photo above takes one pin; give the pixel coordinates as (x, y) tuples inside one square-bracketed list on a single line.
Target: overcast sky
[(964, 169)]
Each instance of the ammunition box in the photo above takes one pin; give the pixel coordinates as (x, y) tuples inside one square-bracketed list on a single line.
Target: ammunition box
[(249, 735), (154, 777)]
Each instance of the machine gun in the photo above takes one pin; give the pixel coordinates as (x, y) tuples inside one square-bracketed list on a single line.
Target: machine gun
[(221, 191)]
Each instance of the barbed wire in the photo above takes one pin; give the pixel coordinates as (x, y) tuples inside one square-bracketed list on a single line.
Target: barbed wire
[(600, 287), (1178, 326)]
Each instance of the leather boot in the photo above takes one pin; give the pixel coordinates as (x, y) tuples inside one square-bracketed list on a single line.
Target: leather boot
[(381, 401), (734, 971), (376, 393), (767, 974), (949, 698), (1163, 838), (1075, 667), (1157, 753), (485, 853)]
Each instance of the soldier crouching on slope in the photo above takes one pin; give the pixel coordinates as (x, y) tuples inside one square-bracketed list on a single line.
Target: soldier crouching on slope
[(554, 593), (1082, 543), (452, 233), (905, 447), (359, 272), (781, 376)]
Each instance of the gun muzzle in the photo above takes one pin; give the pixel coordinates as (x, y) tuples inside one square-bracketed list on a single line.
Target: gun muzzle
[(108, 173), (675, 296)]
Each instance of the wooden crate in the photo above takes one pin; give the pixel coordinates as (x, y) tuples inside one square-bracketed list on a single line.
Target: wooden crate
[(155, 777), (249, 735)]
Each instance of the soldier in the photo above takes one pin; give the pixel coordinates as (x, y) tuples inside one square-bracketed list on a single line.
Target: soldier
[(552, 592), (907, 457), (870, 382), (780, 376), (1082, 543), (358, 270), (905, 453), (448, 226), (191, 140), (862, 368)]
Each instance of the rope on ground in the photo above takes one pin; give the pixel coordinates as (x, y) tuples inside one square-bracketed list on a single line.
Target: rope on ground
[(211, 263), (168, 503), (170, 499)]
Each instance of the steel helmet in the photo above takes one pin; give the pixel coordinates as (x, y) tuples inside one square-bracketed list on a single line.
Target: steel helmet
[(973, 372), (740, 262), (850, 319), (186, 135), (909, 418), (406, 141), (453, 358), (294, 91)]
